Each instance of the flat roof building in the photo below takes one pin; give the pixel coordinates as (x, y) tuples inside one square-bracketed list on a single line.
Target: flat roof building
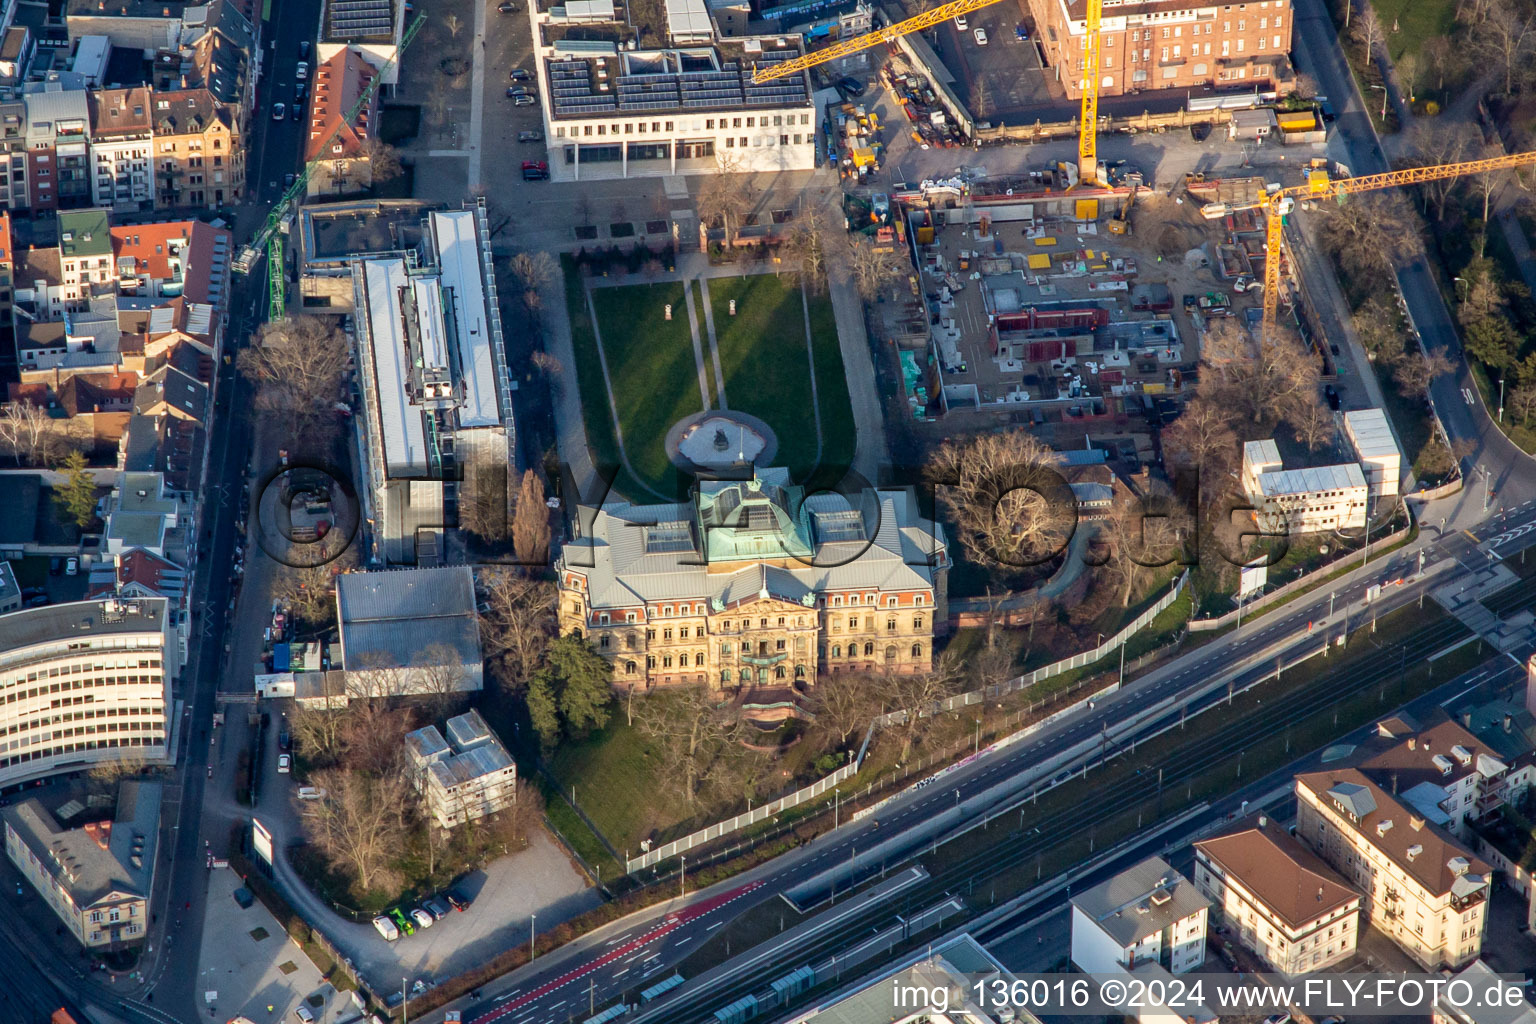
[(1304, 500), (1376, 448), (97, 877), (466, 777), (437, 401), (1149, 912), (119, 660), (409, 631)]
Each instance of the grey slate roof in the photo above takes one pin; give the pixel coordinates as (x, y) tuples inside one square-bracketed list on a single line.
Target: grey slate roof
[(86, 870), (621, 573), (1141, 901), (391, 616)]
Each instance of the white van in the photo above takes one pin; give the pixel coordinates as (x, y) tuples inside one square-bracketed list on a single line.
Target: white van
[(386, 928), (311, 793)]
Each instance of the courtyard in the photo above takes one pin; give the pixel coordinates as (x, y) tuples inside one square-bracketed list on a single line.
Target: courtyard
[(776, 358)]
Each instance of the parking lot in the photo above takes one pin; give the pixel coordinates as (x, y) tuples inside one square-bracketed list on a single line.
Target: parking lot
[(1001, 81)]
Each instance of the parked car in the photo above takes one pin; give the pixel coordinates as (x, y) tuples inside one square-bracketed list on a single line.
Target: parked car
[(458, 899), (301, 72), (386, 928), (523, 101), (423, 919), (1278, 1018), (311, 792), (288, 180), (509, 8), (852, 86), (303, 48), (981, 36), (284, 764), (436, 909), (402, 921), (37, 601), (304, 1015), (1021, 32), (527, 136), (55, 565), (279, 111), (298, 112), (520, 75), (299, 90), (535, 170), (1332, 394), (960, 23), (72, 566)]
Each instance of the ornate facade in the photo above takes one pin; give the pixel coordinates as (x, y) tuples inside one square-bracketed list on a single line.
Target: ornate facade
[(752, 583)]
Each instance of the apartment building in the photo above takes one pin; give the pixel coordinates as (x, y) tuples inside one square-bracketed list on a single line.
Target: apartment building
[(752, 582), (199, 152), (1450, 777), (57, 136), (435, 393), (15, 193), (121, 140), (1278, 898), (341, 145), (1146, 914), (97, 877), (1308, 500), (1423, 889), (84, 683), (1170, 44), (85, 253), (467, 777)]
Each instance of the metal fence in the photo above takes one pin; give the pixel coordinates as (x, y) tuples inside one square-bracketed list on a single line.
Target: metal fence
[(847, 771)]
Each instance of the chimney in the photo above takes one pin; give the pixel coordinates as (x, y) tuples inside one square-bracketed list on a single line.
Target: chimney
[(1263, 821), (1509, 723), (1319, 894)]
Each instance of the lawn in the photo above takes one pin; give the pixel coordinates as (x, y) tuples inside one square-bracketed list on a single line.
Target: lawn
[(652, 369), (767, 371), (1416, 21), (616, 786)]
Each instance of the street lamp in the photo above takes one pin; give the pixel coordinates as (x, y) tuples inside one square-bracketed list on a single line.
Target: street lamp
[(1501, 399), (532, 950), (1383, 90), (1461, 291)]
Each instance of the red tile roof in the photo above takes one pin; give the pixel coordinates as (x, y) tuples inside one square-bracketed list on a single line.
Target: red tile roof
[(150, 245), (338, 84)]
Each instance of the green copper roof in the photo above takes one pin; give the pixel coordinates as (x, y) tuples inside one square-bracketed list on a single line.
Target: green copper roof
[(759, 518)]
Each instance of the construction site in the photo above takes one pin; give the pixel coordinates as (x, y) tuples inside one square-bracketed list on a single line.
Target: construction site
[(1079, 314)]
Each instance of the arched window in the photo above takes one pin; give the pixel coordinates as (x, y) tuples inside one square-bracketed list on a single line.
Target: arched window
[(837, 650), (853, 650), (917, 650), (890, 654), (869, 650), (799, 671), (629, 668), (698, 657), (666, 662), (778, 673), (650, 661), (725, 675)]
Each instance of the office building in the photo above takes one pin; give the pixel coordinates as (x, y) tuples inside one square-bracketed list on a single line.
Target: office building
[(97, 876), (1278, 898), (85, 683), (1422, 889), (466, 777), (753, 583), (1376, 448), (1154, 44)]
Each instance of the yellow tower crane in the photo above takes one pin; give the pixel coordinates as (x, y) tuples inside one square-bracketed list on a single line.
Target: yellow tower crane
[(1278, 203), (1087, 132)]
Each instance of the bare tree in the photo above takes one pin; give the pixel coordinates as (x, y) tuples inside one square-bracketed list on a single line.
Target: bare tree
[(358, 824), (1201, 438), (1313, 423), (875, 267), (1144, 533), (439, 677), (309, 591), (1522, 402), (1506, 40), (1373, 231), (31, 436), (517, 622), (453, 25), (845, 703), (297, 366), (1003, 492), (1489, 184), (1261, 378), (318, 732), (692, 728), (723, 201), (534, 270), (1369, 30), (1442, 140), (808, 249), (483, 496), (127, 765), (383, 161), (1414, 373), (1442, 57), (981, 100), (1376, 324), (916, 696), (1409, 68), (530, 521)]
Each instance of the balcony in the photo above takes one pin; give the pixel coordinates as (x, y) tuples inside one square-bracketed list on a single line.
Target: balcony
[(764, 660)]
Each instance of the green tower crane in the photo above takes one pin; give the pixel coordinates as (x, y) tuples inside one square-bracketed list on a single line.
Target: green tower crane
[(270, 237)]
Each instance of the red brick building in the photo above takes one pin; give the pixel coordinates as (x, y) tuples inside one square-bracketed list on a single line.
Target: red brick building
[(1171, 44)]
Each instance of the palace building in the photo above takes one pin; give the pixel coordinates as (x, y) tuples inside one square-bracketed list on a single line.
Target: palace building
[(753, 582)]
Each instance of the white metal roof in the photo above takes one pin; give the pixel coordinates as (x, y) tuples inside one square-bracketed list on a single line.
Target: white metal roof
[(1371, 434), (405, 444), (1311, 480), (688, 21), (1261, 453), (429, 324), (458, 258)]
